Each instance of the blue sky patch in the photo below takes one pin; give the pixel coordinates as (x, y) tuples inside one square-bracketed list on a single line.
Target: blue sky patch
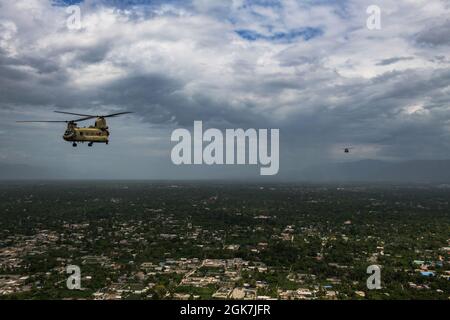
[(65, 2), (306, 34), (120, 3)]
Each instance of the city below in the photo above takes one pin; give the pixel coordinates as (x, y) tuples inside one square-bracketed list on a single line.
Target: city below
[(217, 240)]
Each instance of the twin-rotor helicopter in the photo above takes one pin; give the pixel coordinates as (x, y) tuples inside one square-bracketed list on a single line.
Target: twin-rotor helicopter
[(347, 149), (98, 133)]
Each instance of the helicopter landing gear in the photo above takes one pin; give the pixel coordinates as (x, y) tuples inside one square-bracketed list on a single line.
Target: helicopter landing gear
[(74, 144), (90, 144)]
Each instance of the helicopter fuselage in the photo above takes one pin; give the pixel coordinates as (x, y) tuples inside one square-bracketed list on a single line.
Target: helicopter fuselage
[(86, 135), (98, 133)]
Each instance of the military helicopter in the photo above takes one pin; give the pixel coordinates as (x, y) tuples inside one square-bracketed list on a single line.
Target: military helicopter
[(347, 150), (98, 133)]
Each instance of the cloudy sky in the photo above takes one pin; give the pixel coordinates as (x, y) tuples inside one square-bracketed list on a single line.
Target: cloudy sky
[(311, 68)]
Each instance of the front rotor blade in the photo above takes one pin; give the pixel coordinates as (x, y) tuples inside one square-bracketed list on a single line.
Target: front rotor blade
[(42, 121), (56, 121)]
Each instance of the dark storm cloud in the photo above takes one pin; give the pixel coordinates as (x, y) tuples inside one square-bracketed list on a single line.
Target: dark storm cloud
[(376, 112), (437, 35), (157, 98), (386, 62), (93, 54)]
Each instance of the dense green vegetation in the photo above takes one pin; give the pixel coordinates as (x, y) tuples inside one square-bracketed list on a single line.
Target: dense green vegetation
[(330, 233)]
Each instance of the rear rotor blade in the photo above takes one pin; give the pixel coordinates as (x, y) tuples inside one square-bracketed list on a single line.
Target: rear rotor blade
[(76, 114), (83, 119), (115, 114)]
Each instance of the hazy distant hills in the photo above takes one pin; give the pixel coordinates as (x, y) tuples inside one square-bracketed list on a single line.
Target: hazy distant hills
[(435, 171), (23, 171), (418, 171)]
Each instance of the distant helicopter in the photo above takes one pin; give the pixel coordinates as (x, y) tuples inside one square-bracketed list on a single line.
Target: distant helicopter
[(347, 150), (98, 133)]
